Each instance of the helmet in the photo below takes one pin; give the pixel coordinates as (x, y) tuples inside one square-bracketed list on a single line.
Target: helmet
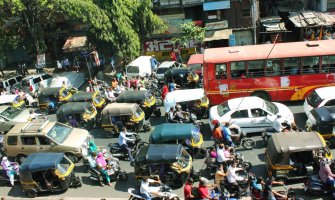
[(215, 122)]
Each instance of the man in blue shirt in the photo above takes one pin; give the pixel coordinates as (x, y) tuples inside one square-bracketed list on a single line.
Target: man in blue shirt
[(227, 134), (154, 63)]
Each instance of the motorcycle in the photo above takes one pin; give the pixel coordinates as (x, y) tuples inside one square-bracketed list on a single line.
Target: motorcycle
[(243, 184), (239, 140), (163, 191), (117, 151)]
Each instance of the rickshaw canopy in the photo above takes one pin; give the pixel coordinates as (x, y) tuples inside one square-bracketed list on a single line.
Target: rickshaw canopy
[(158, 153), (324, 115), (41, 161), (50, 91), (82, 96), (6, 99), (120, 109), (74, 107), (133, 96), (171, 131), (177, 96), (285, 143)]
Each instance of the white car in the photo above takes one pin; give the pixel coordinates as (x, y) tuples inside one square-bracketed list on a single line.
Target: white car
[(249, 114), (324, 96), (31, 83), (72, 79)]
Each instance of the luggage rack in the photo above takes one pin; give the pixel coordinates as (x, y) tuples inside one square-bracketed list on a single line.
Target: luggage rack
[(35, 125)]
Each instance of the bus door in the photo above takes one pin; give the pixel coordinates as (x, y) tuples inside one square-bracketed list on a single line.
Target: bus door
[(218, 83)]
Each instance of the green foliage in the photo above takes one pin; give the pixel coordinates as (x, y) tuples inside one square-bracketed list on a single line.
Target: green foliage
[(190, 32)]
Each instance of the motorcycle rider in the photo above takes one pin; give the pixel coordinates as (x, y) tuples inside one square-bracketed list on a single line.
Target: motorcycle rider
[(227, 136), (102, 167), (180, 114), (269, 193), (172, 116), (204, 189), (217, 133), (325, 173), (123, 141), (11, 168), (188, 189), (276, 125), (144, 188), (220, 175), (232, 177)]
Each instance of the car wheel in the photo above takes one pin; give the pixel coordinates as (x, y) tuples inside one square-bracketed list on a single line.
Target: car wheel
[(72, 157), (20, 158)]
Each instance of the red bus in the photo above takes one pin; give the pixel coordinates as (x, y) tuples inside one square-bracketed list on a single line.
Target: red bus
[(276, 72)]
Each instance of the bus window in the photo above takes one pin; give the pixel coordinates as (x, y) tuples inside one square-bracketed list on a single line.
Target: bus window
[(238, 70), (256, 68), (220, 71), (328, 64), (310, 65), (291, 66), (273, 67)]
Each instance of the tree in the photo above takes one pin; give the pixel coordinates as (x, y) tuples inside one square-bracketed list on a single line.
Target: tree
[(190, 31)]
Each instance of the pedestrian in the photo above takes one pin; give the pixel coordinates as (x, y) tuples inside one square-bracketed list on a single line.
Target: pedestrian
[(24, 69), (113, 63), (154, 63), (76, 64), (165, 90), (177, 51), (66, 64), (19, 69), (188, 189), (173, 56), (59, 66)]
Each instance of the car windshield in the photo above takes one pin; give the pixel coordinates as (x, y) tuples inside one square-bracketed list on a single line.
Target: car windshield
[(138, 112), (148, 97), (97, 99), (133, 69), (65, 93), (314, 99), (161, 70), (11, 112), (271, 107), (59, 132), (63, 166), (89, 110), (223, 109), (184, 159), (196, 135)]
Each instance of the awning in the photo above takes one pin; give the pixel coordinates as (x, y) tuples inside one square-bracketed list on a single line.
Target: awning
[(218, 5), (312, 19), (218, 35), (75, 44)]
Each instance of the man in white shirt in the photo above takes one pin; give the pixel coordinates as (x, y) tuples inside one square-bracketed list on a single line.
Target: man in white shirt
[(144, 188), (123, 141), (220, 154), (232, 177), (276, 125)]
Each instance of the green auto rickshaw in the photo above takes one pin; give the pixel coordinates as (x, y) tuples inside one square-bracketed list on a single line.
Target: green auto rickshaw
[(50, 99), (84, 113), (47, 172), (170, 162), (144, 98), (95, 98), (188, 135)]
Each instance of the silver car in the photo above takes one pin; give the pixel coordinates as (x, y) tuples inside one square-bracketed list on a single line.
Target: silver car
[(163, 67), (11, 114)]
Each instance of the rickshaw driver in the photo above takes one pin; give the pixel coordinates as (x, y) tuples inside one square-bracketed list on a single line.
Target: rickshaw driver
[(325, 173), (123, 141)]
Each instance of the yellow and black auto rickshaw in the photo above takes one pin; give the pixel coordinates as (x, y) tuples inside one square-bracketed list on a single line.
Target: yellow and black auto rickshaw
[(47, 172), (50, 99), (170, 162), (95, 98), (144, 98), (84, 113), (322, 120), (295, 155), (116, 115)]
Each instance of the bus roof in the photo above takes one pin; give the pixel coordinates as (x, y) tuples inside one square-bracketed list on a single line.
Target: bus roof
[(263, 51)]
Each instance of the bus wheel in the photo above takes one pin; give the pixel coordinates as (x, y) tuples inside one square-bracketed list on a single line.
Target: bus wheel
[(262, 95)]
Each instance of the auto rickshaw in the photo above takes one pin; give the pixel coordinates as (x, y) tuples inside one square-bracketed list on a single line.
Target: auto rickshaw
[(144, 98), (84, 113), (193, 100), (57, 96), (322, 120), (185, 77), (295, 155), (116, 115), (188, 135), (94, 97), (47, 172), (170, 162)]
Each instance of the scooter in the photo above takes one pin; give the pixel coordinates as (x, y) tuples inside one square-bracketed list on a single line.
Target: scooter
[(314, 186), (163, 191), (117, 151)]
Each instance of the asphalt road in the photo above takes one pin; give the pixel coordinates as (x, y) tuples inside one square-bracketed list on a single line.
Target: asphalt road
[(92, 189)]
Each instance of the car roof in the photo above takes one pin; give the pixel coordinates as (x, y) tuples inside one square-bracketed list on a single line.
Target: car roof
[(10, 77), (295, 142), (41, 161), (326, 92), (31, 128), (166, 64), (245, 102), (73, 107), (82, 96)]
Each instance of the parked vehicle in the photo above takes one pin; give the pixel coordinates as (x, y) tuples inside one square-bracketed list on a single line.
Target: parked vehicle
[(295, 155), (324, 96), (141, 66), (170, 162), (249, 113), (47, 172), (163, 67), (7, 84), (30, 84), (143, 98), (12, 114), (196, 62), (45, 136), (83, 112), (95, 98), (192, 100), (56, 95), (322, 120), (116, 115), (185, 77)]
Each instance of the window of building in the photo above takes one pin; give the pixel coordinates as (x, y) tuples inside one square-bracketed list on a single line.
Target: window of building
[(328, 64), (291, 66), (220, 71), (310, 65), (238, 69), (246, 12), (256, 68)]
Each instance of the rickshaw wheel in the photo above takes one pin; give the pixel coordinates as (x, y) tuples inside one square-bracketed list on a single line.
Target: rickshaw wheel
[(31, 193), (72, 157)]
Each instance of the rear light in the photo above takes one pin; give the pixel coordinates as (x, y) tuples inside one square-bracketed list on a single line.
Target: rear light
[(31, 88)]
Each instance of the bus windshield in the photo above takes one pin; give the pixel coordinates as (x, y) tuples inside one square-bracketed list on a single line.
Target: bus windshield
[(223, 109)]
